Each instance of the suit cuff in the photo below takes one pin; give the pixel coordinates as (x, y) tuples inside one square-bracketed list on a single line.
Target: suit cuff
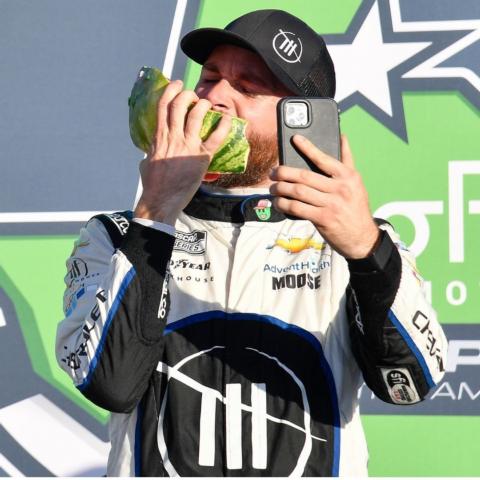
[(377, 260)]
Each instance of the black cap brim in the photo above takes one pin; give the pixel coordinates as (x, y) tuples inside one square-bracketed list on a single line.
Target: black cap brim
[(199, 44)]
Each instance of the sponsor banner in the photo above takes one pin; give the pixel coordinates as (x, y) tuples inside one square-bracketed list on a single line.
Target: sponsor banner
[(458, 393)]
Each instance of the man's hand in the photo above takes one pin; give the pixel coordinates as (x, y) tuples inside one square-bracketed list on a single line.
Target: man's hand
[(178, 159), (335, 202)]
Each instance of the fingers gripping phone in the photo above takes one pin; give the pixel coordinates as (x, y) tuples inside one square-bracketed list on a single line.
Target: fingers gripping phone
[(313, 117)]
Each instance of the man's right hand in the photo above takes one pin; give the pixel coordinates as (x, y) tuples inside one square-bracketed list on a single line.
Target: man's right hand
[(178, 159)]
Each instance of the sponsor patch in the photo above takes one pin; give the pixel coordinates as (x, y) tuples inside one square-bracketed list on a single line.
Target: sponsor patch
[(432, 344), (193, 278), (193, 243), (296, 281), (120, 222), (313, 266), (400, 385), (263, 209), (358, 316), (164, 305), (185, 263), (78, 269), (297, 244), (73, 359)]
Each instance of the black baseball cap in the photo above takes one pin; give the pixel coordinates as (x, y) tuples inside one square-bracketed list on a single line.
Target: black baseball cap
[(295, 53)]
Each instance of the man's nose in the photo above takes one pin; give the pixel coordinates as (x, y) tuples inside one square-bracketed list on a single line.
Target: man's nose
[(219, 95)]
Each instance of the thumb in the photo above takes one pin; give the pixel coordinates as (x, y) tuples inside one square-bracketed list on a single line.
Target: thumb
[(346, 153)]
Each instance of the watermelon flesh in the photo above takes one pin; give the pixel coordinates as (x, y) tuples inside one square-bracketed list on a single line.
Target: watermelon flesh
[(231, 156)]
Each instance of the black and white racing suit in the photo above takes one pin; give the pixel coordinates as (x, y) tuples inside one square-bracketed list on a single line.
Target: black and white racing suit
[(237, 345)]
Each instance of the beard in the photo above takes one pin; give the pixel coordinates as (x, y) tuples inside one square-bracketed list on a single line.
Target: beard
[(263, 157)]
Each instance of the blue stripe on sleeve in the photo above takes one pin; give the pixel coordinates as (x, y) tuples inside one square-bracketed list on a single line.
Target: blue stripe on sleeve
[(113, 310), (413, 347)]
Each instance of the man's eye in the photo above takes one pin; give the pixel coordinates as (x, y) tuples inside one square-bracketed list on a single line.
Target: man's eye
[(250, 92)]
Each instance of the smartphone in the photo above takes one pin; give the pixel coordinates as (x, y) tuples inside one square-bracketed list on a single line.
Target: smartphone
[(316, 118)]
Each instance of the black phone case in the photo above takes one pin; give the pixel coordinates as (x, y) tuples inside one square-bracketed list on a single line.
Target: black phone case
[(322, 130)]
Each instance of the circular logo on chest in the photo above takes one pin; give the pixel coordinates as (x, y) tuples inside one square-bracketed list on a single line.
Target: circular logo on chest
[(245, 395)]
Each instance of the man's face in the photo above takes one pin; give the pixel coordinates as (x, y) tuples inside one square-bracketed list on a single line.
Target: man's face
[(238, 82)]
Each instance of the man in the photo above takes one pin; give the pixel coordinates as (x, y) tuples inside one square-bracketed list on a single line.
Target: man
[(227, 337)]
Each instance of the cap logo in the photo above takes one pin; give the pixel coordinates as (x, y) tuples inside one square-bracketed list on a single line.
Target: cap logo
[(287, 46)]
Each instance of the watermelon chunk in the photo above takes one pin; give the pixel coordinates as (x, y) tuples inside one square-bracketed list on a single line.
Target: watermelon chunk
[(231, 156)]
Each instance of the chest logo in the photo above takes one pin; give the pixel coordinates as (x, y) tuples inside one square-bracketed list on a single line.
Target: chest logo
[(194, 242), (254, 405), (298, 244), (263, 209)]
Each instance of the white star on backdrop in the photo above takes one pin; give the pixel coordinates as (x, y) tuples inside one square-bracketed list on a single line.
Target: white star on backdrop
[(363, 65)]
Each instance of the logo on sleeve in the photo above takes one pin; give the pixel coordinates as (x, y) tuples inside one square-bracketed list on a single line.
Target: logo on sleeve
[(164, 306), (400, 385), (120, 222), (78, 269)]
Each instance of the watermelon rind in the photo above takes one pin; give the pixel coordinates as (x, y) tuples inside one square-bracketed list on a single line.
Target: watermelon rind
[(230, 157)]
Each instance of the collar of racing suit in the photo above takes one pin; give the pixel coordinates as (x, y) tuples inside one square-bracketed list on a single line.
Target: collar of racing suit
[(226, 207)]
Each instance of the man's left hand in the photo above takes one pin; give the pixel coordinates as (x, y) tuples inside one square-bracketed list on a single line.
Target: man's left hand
[(335, 201)]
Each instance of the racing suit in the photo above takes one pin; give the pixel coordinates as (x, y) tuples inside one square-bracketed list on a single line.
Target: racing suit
[(236, 344)]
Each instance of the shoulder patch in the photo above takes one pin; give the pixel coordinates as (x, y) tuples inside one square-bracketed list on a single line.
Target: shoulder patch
[(116, 224)]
